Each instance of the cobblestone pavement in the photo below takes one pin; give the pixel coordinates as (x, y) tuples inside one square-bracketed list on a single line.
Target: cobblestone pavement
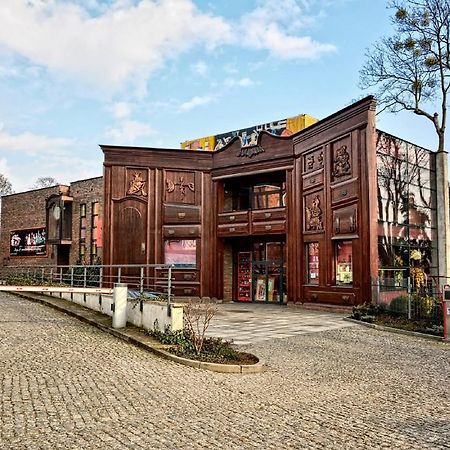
[(66, 385), (248, 323)]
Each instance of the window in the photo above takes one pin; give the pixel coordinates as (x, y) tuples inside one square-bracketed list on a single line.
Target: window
[(268, 195), (255, 192), (180, 252), (94, 231), (82, 252), (312, 263), (343, 260)]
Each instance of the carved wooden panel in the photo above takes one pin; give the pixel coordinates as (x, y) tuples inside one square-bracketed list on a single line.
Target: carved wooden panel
[(313, 160), (179, 187), (235, 229), (183, 231), (268, 214), (275, 227), (137, 182), (314, 212), (129, 232), (341, 167), (313, 180), (343, 192), (345, 221), (233, 217), (181, 214)]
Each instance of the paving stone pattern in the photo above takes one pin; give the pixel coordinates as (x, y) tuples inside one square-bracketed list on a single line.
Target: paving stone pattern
[(248, 323), (67, 385)]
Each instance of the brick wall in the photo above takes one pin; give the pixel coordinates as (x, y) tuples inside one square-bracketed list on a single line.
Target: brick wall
[(24, 211), (228, 272), (86, 192), (27, 210)]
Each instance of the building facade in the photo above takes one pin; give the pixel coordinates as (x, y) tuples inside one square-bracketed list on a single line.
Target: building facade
[(338, 212), (58, 225), (287, 220)]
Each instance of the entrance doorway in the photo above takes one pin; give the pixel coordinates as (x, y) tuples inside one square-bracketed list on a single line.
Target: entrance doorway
[(260, 274)]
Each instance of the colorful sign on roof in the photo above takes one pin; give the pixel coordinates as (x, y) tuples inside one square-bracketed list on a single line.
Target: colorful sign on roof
[(249, 136)]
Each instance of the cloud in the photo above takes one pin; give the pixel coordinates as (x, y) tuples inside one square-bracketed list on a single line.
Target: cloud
[(199, 68), (121, 110), (122, 42), (243, 82), (196, 101), (32, 144), (117, 44), (129, 131), (269, 27), (45, 156)]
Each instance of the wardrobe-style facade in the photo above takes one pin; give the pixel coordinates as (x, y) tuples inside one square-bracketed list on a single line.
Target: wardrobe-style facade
[(291, 219)]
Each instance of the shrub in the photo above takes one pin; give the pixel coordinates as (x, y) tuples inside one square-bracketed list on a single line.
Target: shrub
[(399, 305), (367, 311)]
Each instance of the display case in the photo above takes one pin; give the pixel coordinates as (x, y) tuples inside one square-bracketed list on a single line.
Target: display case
[(312, 263), (344, 265), (244, 275)]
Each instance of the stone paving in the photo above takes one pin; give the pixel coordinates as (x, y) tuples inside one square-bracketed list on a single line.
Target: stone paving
[(67, 385), (248, 323)]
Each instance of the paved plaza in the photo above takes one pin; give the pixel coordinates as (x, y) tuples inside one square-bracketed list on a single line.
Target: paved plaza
[(67, 385), (249, 323)]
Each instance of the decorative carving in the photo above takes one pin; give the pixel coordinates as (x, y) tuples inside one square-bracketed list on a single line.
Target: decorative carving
[(137, 185), (320, 159), (182, 185), (310, 162), (341, 163), (250, 152), (314, 215)]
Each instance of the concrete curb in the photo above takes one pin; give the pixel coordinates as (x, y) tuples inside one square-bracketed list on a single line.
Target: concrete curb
[(131, 335), (397, 330)]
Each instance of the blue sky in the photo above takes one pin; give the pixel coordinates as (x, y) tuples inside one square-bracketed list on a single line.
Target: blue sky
[(78, 73)]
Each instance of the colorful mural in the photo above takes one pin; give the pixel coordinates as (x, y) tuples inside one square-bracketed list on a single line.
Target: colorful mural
[(249, 136)]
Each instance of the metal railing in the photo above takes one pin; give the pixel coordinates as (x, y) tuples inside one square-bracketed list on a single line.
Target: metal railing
[(151, 280), (399, 294)]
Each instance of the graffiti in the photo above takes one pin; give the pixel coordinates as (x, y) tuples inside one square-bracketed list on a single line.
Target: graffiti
[(249, 136)]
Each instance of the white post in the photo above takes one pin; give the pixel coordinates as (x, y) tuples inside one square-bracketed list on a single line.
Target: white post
[(120, 295)]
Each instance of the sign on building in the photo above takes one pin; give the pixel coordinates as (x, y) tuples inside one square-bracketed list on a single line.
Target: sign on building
[(30, 242)]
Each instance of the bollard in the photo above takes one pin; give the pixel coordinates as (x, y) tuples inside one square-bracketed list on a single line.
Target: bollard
[(446, 311), (120, 295), (446, 320)]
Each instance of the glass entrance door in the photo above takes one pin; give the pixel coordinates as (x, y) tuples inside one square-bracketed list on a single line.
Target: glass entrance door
[(268, 280)]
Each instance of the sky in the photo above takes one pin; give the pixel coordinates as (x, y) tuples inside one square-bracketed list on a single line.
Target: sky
[(78, 73)]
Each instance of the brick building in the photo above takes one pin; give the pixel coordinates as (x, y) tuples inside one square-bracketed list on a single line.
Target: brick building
[(58, 225), (333, 211)]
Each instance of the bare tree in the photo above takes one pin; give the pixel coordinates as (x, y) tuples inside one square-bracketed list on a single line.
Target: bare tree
[(411, 69), (5, 186), (197, 316), (43, 182)]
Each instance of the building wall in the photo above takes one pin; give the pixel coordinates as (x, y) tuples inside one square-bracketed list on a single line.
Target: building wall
[(152, 195), (26, 210), (86, 192)]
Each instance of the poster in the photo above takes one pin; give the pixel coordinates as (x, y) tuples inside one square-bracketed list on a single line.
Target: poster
[(260, 293), (31, 242)]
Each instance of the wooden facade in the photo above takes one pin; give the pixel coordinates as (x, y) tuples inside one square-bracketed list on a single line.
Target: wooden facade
[(220, 203)]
